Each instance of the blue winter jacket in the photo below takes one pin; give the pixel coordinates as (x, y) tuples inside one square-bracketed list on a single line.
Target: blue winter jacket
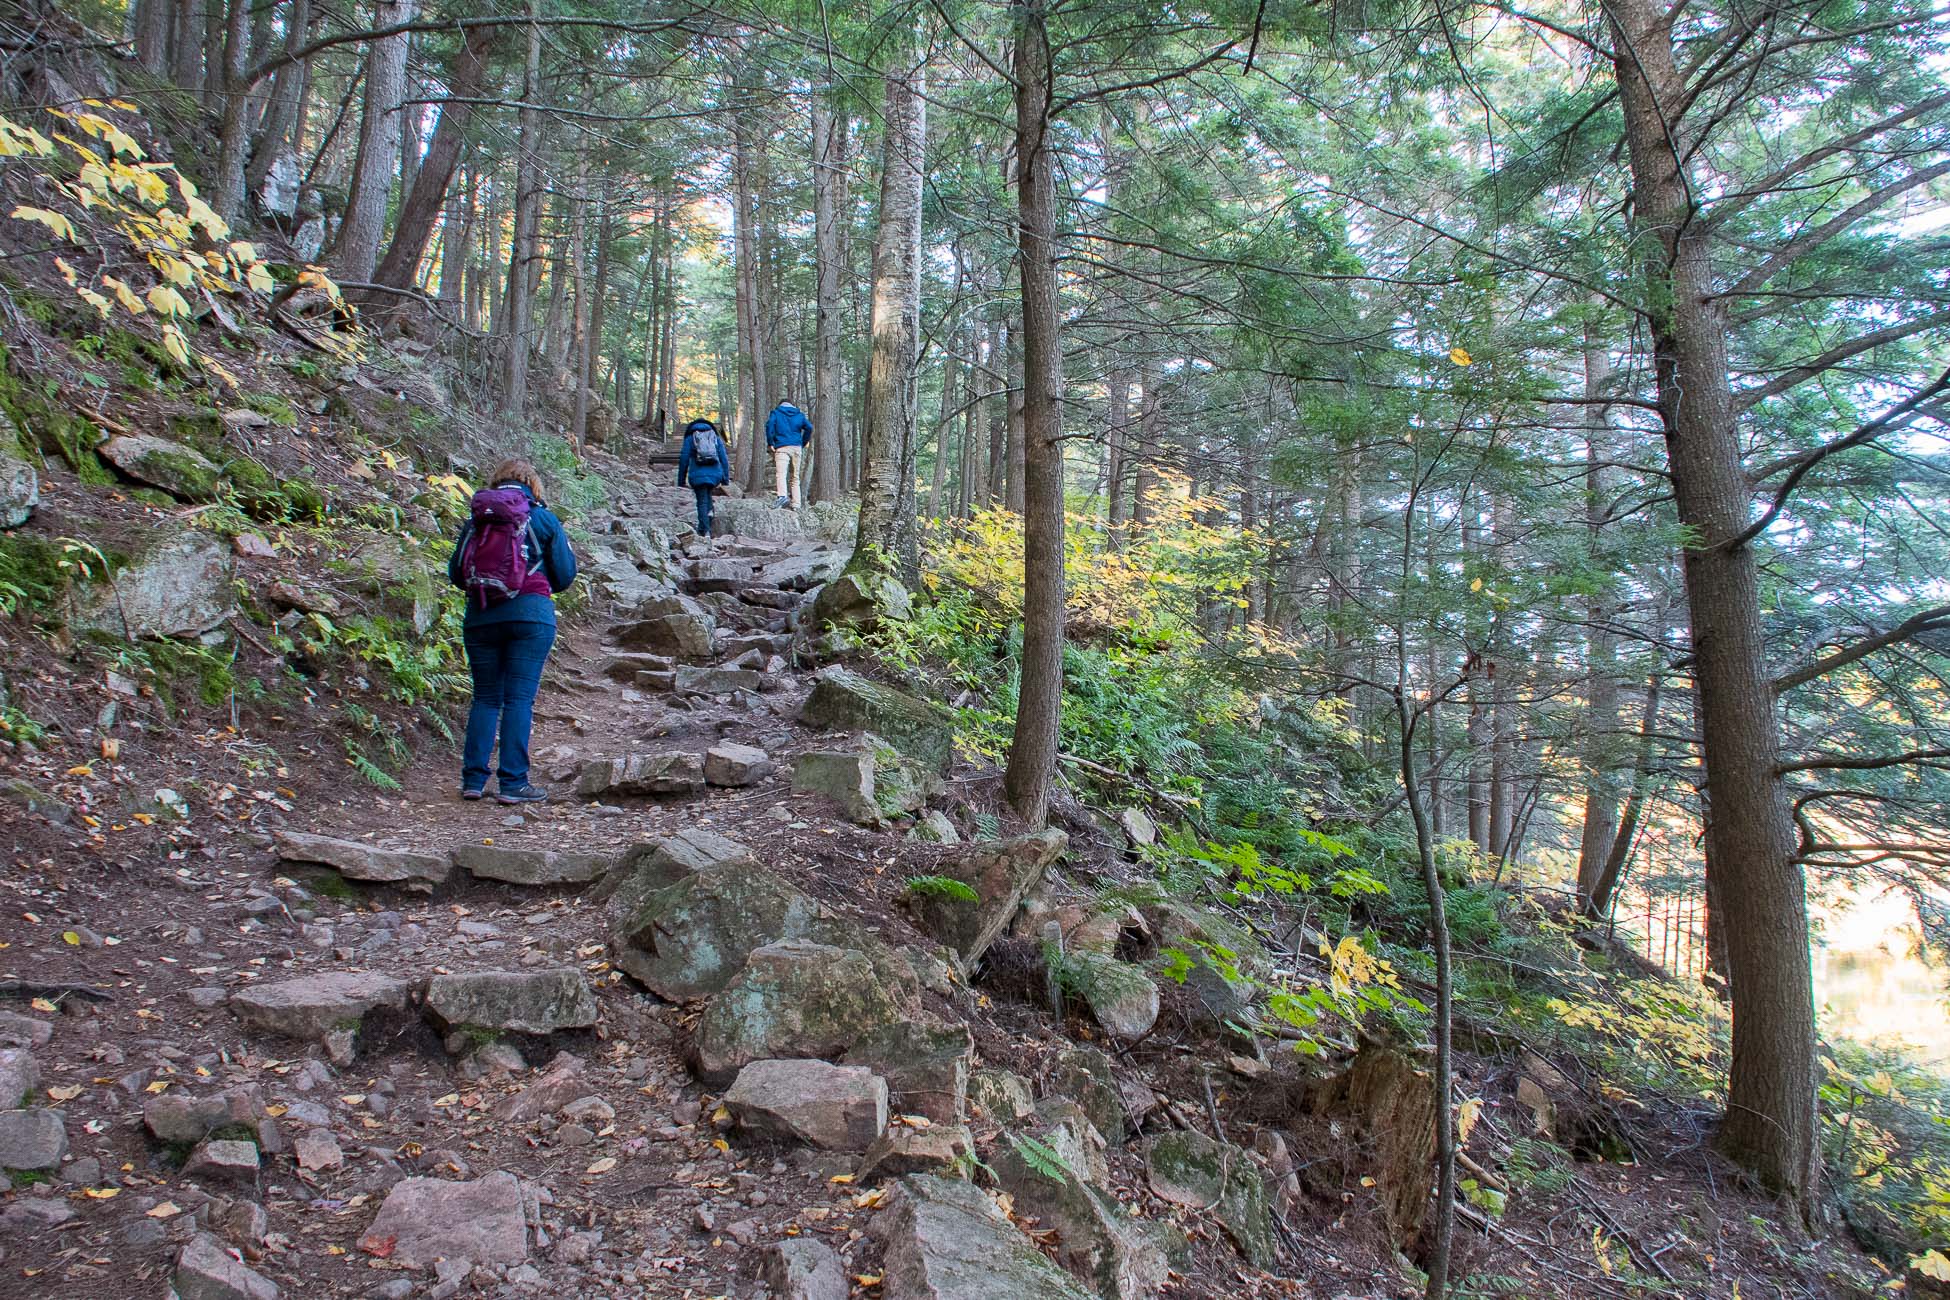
[(787, 426), (695, 475), (548, 540)]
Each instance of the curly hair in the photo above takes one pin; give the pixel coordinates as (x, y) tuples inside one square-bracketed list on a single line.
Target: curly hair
[(516, 470)]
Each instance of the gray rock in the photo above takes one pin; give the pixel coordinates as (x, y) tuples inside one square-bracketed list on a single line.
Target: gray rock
[(316, 1005), (19, 1075), (624, 667), (20, 486), (942, 1149), (845, 777), (718, 681), (642, 869), (356, 861), (800, 1268), (857, 600), (18, 1030), (689, 938), (241, 1222), (716, 575), (1000, 872), (178, 470), (530, 866), (426, 1219), (560, 1084), (317, 1149), (835, 1107), (685, 637), (1122, 998), (801, 572), (935, 828), (1138, 828), (843, 700), (1191, 1169), (180, 1117), (946, 1240), (33, 800), (225, 1161), (528, 1002), (207, 1271), (1096, 1240), (733, 765), (641, 774), (179, 585), (1086, 1076), (926, 1066), (1000, 1096), (32, 1139), (794, 998)]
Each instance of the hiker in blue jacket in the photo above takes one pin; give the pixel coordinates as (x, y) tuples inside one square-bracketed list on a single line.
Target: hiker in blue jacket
[(786, 430), (511, 561), (701, 466)]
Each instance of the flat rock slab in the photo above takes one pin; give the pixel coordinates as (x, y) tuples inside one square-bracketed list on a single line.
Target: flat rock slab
[(20, 1030), (680, 636), (356, 861), (530, 866), (946, 1240), (524, 1002), (624, 667), (206, 1270), (844, 777), (32, 1139), (177, 469), (835, 1107), (732, 765), (688, 939), (642, 775), (230, 1161), (316, 1005), (718, 681), (177, 1116), (843, 700), (429, 1219), (903, 1150)]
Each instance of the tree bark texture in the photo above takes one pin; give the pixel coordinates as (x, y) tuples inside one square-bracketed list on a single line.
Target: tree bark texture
[(379, 144), (424, 200)]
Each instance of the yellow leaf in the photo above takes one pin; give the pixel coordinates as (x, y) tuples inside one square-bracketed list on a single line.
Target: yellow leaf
[(54, 221), (243, 250), (101, 1193), (160, 1085), (259, 279), (1459, 356), (1475, 584), (840, 1178), (167, 302), (721, 1144), (167, 1210), (66, 1093), (124, 295), (602, 1166), (1932, 1264), (149, 187), (720, 1115), (175, 345), (42, 1004), (70, 938), (1466, 1116), (101, 305), (67, 272), (95, 177)]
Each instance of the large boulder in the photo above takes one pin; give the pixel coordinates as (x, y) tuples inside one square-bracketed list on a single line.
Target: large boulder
[(690, 938), (999, 872), (946, 1240), (681, 636), (835, 1107), (178, 470), (1193, 1170), (755, 517), (858, 600), (428, 1219), (926, 1066), (20, 486), (795, 998), (843, 700), (530, 866), (846, 777), (1121, 997), (356, 861), (800, 1268), (522, 1002), (801, 572), (644, 868), (732, 765), (179, 585), (618, 575), (1086, 1076), (314, 1006)]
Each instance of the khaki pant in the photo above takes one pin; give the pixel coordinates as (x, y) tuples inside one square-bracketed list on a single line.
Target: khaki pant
[(785, 460)]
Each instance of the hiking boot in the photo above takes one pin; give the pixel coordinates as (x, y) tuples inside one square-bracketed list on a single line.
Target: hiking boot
[(470, 794), (523, 793)]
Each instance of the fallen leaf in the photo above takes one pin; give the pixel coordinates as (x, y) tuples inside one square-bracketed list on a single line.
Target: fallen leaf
[(70, 938), (42, 1004), (602, 1166), (160, 1085), (101, 1193), (167, 1210), (66, 1093)]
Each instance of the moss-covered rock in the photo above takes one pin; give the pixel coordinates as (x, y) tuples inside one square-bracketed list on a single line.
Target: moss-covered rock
[(175, 467), (793, 999), (1193, 1170), (999, 872), (1058, 1173), (179, 586), (843, 700)]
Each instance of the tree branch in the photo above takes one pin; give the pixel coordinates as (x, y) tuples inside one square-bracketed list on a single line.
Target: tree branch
[(1807, 370), (1928, 621)]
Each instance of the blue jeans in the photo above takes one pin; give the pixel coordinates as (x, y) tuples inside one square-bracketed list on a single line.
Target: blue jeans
[(703, 510), (506, 660)]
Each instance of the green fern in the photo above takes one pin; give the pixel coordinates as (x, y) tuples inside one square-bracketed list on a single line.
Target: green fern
[(370, 770), (1040, 1156), (942, 887)]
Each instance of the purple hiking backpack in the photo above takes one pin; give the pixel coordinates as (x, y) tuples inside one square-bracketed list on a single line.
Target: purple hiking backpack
[(494, 564)]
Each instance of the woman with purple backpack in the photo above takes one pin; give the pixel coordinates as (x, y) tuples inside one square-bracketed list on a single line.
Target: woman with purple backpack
[(511, 559)]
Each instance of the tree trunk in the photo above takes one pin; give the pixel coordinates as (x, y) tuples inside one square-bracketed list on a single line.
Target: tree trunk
[(1600, 652), (751, 383), (234, 103), (829, 191), (285, 106), (456, 229), (888, 536), (188, 44), (152, 36), (1618, 854), (1116, 419), (528, 220), (1151, 428), (424, 200), (1750, 846), (379, 144), (578, 354), (1039, 703), (1013, 485)]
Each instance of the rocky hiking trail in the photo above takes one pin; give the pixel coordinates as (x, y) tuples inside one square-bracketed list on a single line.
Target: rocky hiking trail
[(690, 1029)]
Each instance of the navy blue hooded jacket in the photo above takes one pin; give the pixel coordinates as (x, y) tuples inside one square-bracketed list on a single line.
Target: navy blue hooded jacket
[(548, 539), (787, 426), (700, 476)]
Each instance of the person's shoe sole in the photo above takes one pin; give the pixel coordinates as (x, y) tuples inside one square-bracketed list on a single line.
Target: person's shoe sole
[(517, 799), (473, 795)]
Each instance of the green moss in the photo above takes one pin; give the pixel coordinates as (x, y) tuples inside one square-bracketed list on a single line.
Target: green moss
[(282, 413), (30, 571), (149, 496), (142, 361), (49, 428), (233, 1133), (27, 1177), (330, 884), (37, 307), (306, 502)]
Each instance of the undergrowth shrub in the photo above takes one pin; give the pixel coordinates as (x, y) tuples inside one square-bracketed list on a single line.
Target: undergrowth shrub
[(1885, 1137)]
